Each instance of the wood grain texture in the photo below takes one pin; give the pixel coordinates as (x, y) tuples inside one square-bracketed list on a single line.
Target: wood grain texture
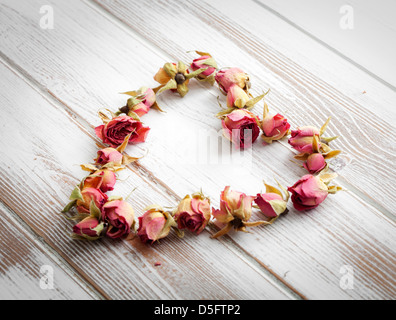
[(368, 42), (21, 258), (305, 98), (36, 185), (304, 252)]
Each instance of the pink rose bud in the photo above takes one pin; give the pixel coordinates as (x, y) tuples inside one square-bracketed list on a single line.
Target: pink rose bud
[(235, 211), (120, 216), (116, 130), (207, 62), (155, 224), (308, 192), (272, 203), (302, 138), (109, 155), (315, 163), (89, 194), (140, 102), (229, 77), (236, 97), (274, 127), (104, 180), (88, 228), (241, 127), (193, 213)]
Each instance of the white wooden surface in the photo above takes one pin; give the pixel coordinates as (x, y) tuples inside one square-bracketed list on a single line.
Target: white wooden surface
[(54, 81)]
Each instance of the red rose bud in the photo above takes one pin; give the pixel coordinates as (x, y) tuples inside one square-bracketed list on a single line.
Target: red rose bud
[(315, 163), (274, 127), (104, 180), (114, 131), (90, 228), (205, 62), (89, 194), (235, 211), (155, 224), (241, 127), (120, 216), (109, 155), (272, 203), (302, 138), (308, 192), (233, 76), (193, 213)]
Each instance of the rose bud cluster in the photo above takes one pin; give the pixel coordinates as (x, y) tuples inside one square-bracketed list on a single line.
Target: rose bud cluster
[(155, 224), (274, 127), (98, 215), (310, 191), (114, 131), (193, 213)]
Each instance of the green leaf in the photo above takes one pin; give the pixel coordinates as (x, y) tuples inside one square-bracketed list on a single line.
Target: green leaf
[(76, 194), (69, 206), (95, 211), (195, 73), (171, 84)]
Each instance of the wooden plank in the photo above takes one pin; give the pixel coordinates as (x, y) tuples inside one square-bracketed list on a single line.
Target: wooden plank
[(44, 145), (305, 97), (366, 38), (22, 257), (322, 281)]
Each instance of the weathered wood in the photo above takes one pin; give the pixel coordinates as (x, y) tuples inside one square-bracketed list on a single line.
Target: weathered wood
[(44, 146), (22, 257), (309, 265)]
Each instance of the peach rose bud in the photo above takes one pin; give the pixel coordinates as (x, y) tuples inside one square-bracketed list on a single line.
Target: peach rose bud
[(233, 76), (274, 127), (104, 180), (235, 211), (88, 195), (315, 163), (120, 216), (193, 213), (273, 202), (155, 224)]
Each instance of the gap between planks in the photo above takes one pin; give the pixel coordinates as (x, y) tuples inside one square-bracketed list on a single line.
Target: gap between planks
[(146, 175), (103, 10)]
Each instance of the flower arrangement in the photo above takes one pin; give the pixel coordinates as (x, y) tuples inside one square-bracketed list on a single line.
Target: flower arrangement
[(98, 215)]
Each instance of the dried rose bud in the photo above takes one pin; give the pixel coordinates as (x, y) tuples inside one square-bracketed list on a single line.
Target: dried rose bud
[(272, 203), (236, 97), (275, 127), (233, 76), (155, 224), (207, 62), (120, 216), (90, 228), (193, 213), (241, 127), (310, 191), (109, 155), (175, 77), (302, 138), (114, 131), (140, 102), (88, 195), (104, 180), (235, 211), (315, 163)]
